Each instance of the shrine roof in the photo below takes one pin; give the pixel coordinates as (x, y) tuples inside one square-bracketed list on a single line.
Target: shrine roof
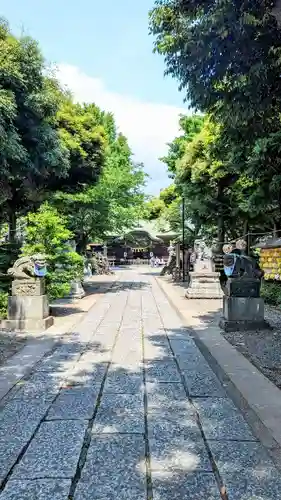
[(269, 243)]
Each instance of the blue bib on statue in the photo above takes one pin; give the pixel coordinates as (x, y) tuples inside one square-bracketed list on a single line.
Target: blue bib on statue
[(40, 271), (229, 269)]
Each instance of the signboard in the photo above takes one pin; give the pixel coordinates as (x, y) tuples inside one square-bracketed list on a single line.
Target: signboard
[(270, 263), (125, 255)]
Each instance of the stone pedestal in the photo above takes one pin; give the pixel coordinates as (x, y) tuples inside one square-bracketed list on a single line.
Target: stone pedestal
[(242, 314), (28, 307), (31, 287), (204, 285), (87, 273), (77, 291), (243, 287)]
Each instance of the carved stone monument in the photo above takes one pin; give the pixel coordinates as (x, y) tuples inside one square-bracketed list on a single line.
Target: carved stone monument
[(243, 308), (171, 263), (28, 307), (77, 291), (87, 272), (204, 281)]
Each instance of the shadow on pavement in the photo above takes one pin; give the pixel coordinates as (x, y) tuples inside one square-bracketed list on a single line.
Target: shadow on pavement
[(108, 428), (10, 344)]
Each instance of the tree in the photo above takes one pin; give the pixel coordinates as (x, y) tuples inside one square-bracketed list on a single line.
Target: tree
[(204, 181), (31, 150), (219, 203), (47, 233), (190, 126), (82, 133), (168, 195), (114, 203), (154, 208), (226, 57)]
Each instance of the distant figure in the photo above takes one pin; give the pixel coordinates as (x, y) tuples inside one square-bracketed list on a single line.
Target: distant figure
[(157, 262), (152, 261)]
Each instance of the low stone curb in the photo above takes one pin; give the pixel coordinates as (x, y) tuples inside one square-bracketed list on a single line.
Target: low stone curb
[(258, 399)]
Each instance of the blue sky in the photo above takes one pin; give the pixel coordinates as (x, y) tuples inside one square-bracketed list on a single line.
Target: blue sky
[(104, 54)]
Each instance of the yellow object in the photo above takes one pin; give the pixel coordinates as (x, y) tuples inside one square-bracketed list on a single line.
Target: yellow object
[(270, 263)]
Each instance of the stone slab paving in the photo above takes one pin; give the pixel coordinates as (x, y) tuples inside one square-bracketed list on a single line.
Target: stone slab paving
[(114, 469), (74, 403), (53, 452), (38, 489), (127, 408), (20, 363)]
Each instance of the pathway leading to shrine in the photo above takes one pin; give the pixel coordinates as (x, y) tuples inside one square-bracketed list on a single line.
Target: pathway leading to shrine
[(128, 409)]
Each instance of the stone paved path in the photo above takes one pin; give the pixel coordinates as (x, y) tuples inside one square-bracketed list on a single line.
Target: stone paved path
[(128, 409)]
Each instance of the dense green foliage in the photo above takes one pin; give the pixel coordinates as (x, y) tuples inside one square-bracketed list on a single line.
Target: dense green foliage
[(9, 253), (3, 304), (83, 135), (31, 150), (154, 208), (47, 233), (226, 58), (111, 205), (271, 292), (189, 126), (70, 154)]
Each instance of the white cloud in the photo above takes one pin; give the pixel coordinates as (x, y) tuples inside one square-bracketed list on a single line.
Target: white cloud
[(148, 126)]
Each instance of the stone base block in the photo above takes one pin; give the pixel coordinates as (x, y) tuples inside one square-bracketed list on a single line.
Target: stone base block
[(243, 308), (242, 314), (77, 291), (27, 325), (204, 286), (23, 307), (243, 326), (208, 275)]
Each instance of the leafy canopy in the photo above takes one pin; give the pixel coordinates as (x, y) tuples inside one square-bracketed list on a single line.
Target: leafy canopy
[(226, 57), (47, 233), (115, 202), (31, 150)]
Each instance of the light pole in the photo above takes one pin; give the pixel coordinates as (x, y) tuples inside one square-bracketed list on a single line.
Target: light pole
[(183, 238)]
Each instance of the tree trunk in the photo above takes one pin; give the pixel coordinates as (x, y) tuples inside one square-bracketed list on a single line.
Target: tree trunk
[(246, 236), (221, 225), (220, 233), (12, 223), (82, 243), (277, 222)]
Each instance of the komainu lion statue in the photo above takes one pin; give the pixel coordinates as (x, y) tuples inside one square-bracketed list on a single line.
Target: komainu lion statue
[(29, 267)]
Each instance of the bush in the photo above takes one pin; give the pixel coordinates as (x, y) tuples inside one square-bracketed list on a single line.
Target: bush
[(3, 304), (46, 233), (271, 292), (9, 253), (63, 269)]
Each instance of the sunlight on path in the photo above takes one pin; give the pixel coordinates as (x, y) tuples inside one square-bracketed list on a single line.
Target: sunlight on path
[(129, 409)]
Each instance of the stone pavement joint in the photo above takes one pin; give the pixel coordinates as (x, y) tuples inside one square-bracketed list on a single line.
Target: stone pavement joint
[(88, 436), (212, 463), (128, 408), (257, 397), (19, 398), (40, 345)]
